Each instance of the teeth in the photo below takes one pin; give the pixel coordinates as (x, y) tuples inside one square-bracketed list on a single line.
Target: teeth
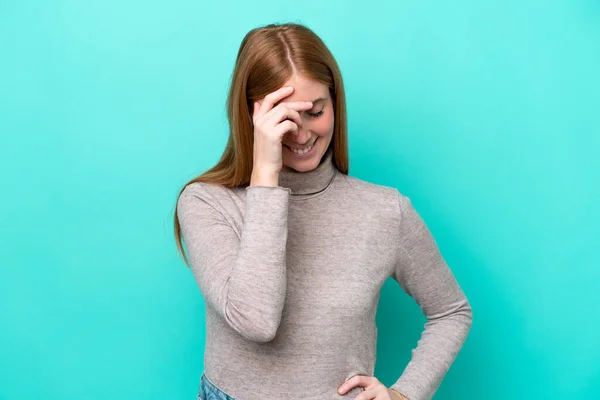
[(302, 151)]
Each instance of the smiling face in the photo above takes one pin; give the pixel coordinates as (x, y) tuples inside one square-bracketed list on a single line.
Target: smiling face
[(316, 130)]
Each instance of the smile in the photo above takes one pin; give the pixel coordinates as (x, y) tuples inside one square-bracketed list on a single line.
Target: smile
[(304, 151)]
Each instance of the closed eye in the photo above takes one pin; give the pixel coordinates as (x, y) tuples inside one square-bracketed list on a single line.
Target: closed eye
[(315, 115)]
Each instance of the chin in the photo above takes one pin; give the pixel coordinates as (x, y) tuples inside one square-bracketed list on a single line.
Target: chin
[(304, 165)]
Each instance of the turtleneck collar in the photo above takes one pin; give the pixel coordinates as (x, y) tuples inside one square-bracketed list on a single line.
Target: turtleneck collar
[(312, 181)]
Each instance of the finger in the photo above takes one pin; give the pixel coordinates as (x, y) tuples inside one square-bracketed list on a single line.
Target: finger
[(298, 105), (356, 380), (256, 111), (368, 395), (284, 127), (255, 108), (283, 113), (295, 105), (274, 97)]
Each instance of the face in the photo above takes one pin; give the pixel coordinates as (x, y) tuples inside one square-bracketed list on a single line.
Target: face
[(316, 129)]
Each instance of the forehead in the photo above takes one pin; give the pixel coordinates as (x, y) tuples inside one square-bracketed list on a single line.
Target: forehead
[(306, 89)]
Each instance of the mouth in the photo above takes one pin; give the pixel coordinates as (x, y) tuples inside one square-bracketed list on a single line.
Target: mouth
[(308, 153)]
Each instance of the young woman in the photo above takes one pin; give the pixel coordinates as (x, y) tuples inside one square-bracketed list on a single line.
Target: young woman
[(290, 252)]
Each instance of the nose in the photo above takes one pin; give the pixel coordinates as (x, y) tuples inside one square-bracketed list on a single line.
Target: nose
[(303, 136)]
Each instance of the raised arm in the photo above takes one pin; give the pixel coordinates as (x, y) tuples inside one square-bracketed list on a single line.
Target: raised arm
[(242, 275), (424, 275)]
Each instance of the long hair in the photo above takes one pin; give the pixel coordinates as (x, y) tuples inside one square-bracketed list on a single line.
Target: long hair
[(268, 56)]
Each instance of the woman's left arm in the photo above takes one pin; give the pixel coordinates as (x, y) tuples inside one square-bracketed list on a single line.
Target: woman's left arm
[(424, 275)]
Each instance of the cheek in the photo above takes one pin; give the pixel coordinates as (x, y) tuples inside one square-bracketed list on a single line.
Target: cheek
[(323, 126)]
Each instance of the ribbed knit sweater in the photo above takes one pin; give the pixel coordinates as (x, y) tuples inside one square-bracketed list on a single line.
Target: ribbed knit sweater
[(291, 278)]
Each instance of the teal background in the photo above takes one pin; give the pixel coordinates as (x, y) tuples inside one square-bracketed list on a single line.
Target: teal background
[(484, 113)]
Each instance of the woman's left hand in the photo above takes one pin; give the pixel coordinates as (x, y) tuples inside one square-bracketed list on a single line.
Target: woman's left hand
[(374, 390)]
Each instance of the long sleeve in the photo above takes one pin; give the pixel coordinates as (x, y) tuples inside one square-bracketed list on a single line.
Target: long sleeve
[(423, 274), (242, 275)]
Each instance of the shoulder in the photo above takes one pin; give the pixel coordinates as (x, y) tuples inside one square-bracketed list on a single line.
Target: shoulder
[(202, 194), (387, 199), (197, 191), (371, 191)]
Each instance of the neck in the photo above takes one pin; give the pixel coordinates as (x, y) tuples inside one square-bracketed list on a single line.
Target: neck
[(312, 181)]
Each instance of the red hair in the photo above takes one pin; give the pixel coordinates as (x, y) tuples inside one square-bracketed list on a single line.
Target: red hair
[(267, 58)]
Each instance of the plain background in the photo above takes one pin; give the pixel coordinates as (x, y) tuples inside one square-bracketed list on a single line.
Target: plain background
[(484, 113)]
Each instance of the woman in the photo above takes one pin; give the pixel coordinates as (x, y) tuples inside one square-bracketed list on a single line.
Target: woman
[(290, 253)]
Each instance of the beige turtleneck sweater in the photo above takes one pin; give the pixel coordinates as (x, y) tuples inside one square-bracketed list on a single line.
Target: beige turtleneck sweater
[(291, 277)]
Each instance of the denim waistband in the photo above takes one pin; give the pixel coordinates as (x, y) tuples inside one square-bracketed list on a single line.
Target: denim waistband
[(209, 391)]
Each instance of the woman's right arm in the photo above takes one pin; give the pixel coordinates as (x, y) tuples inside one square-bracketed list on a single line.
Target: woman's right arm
[(242, 277)]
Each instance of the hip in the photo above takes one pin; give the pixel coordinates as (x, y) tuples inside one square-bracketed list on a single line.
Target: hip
[(209, 391)]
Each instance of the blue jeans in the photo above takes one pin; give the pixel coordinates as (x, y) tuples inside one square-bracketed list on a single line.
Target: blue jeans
[(210, 391)]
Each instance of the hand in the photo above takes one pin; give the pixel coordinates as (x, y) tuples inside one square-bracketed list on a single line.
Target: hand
[(397, 395), (271, 123), (373, 389)]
